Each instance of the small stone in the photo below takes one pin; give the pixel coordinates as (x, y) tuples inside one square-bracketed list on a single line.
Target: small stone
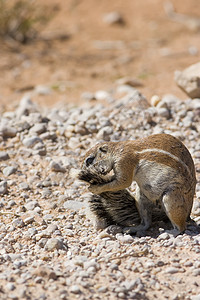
[(75, 205), (31, 205), (37, 209), (188, 120), (56, 167), (91, 264), (178, 241), (63, 295), (48, 136), (124, 89), (26, 107), (163, 112), (196, 207), (44, 271), (102, 289), (42, 242), (125, 239), (120, 289), (42, 234), (113, 18), (74, 142), (9, 170), (130, 285), (102, 95), (162, 104), (136, 100), (10, 286), (3, 187), (188, 264), (46, 193), (8, 132), (38, 279), (194, 104), (81, 129), (48, 217), (23, 125), (155, 99), (52, 228), (75, 289), (11, 203), (4, 155), (30, 142), (196, 272), (163, 236), (42, 90), (32, 231), (38, 128), (103, 234), (172, 270), (29, 220), (46, 183), (24, 186), (40, 150), (53, 244), (69, 232), (105, 133), (18, 222), (149, 264), (171, 101)]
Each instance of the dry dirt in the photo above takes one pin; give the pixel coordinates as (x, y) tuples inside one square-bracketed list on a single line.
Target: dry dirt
[(149, 47)]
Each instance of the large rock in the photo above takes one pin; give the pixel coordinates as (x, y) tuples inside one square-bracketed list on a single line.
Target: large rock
[(189, 80)]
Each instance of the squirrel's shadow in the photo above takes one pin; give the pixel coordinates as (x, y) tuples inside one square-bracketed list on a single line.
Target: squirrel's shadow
[(159, 227)]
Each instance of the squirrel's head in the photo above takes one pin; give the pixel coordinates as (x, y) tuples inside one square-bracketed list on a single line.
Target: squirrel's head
[(96, 153), (97, 165), (98, 158)]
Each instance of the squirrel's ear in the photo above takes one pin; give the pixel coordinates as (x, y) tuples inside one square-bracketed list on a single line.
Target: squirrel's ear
[(103, 148)]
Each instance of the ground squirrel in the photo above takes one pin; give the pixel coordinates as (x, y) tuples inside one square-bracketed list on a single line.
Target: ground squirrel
[(161, 166)]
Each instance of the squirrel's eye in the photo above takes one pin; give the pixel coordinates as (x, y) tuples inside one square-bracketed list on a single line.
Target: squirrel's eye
[(89, 160), (104, 148)]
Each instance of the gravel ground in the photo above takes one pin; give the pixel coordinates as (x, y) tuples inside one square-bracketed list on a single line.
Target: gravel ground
[(49, 248)]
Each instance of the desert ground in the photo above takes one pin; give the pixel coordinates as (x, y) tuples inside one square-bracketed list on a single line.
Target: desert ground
[(95, 71)]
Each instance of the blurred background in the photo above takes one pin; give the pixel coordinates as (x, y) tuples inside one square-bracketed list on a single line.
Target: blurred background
[(59, 50)]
